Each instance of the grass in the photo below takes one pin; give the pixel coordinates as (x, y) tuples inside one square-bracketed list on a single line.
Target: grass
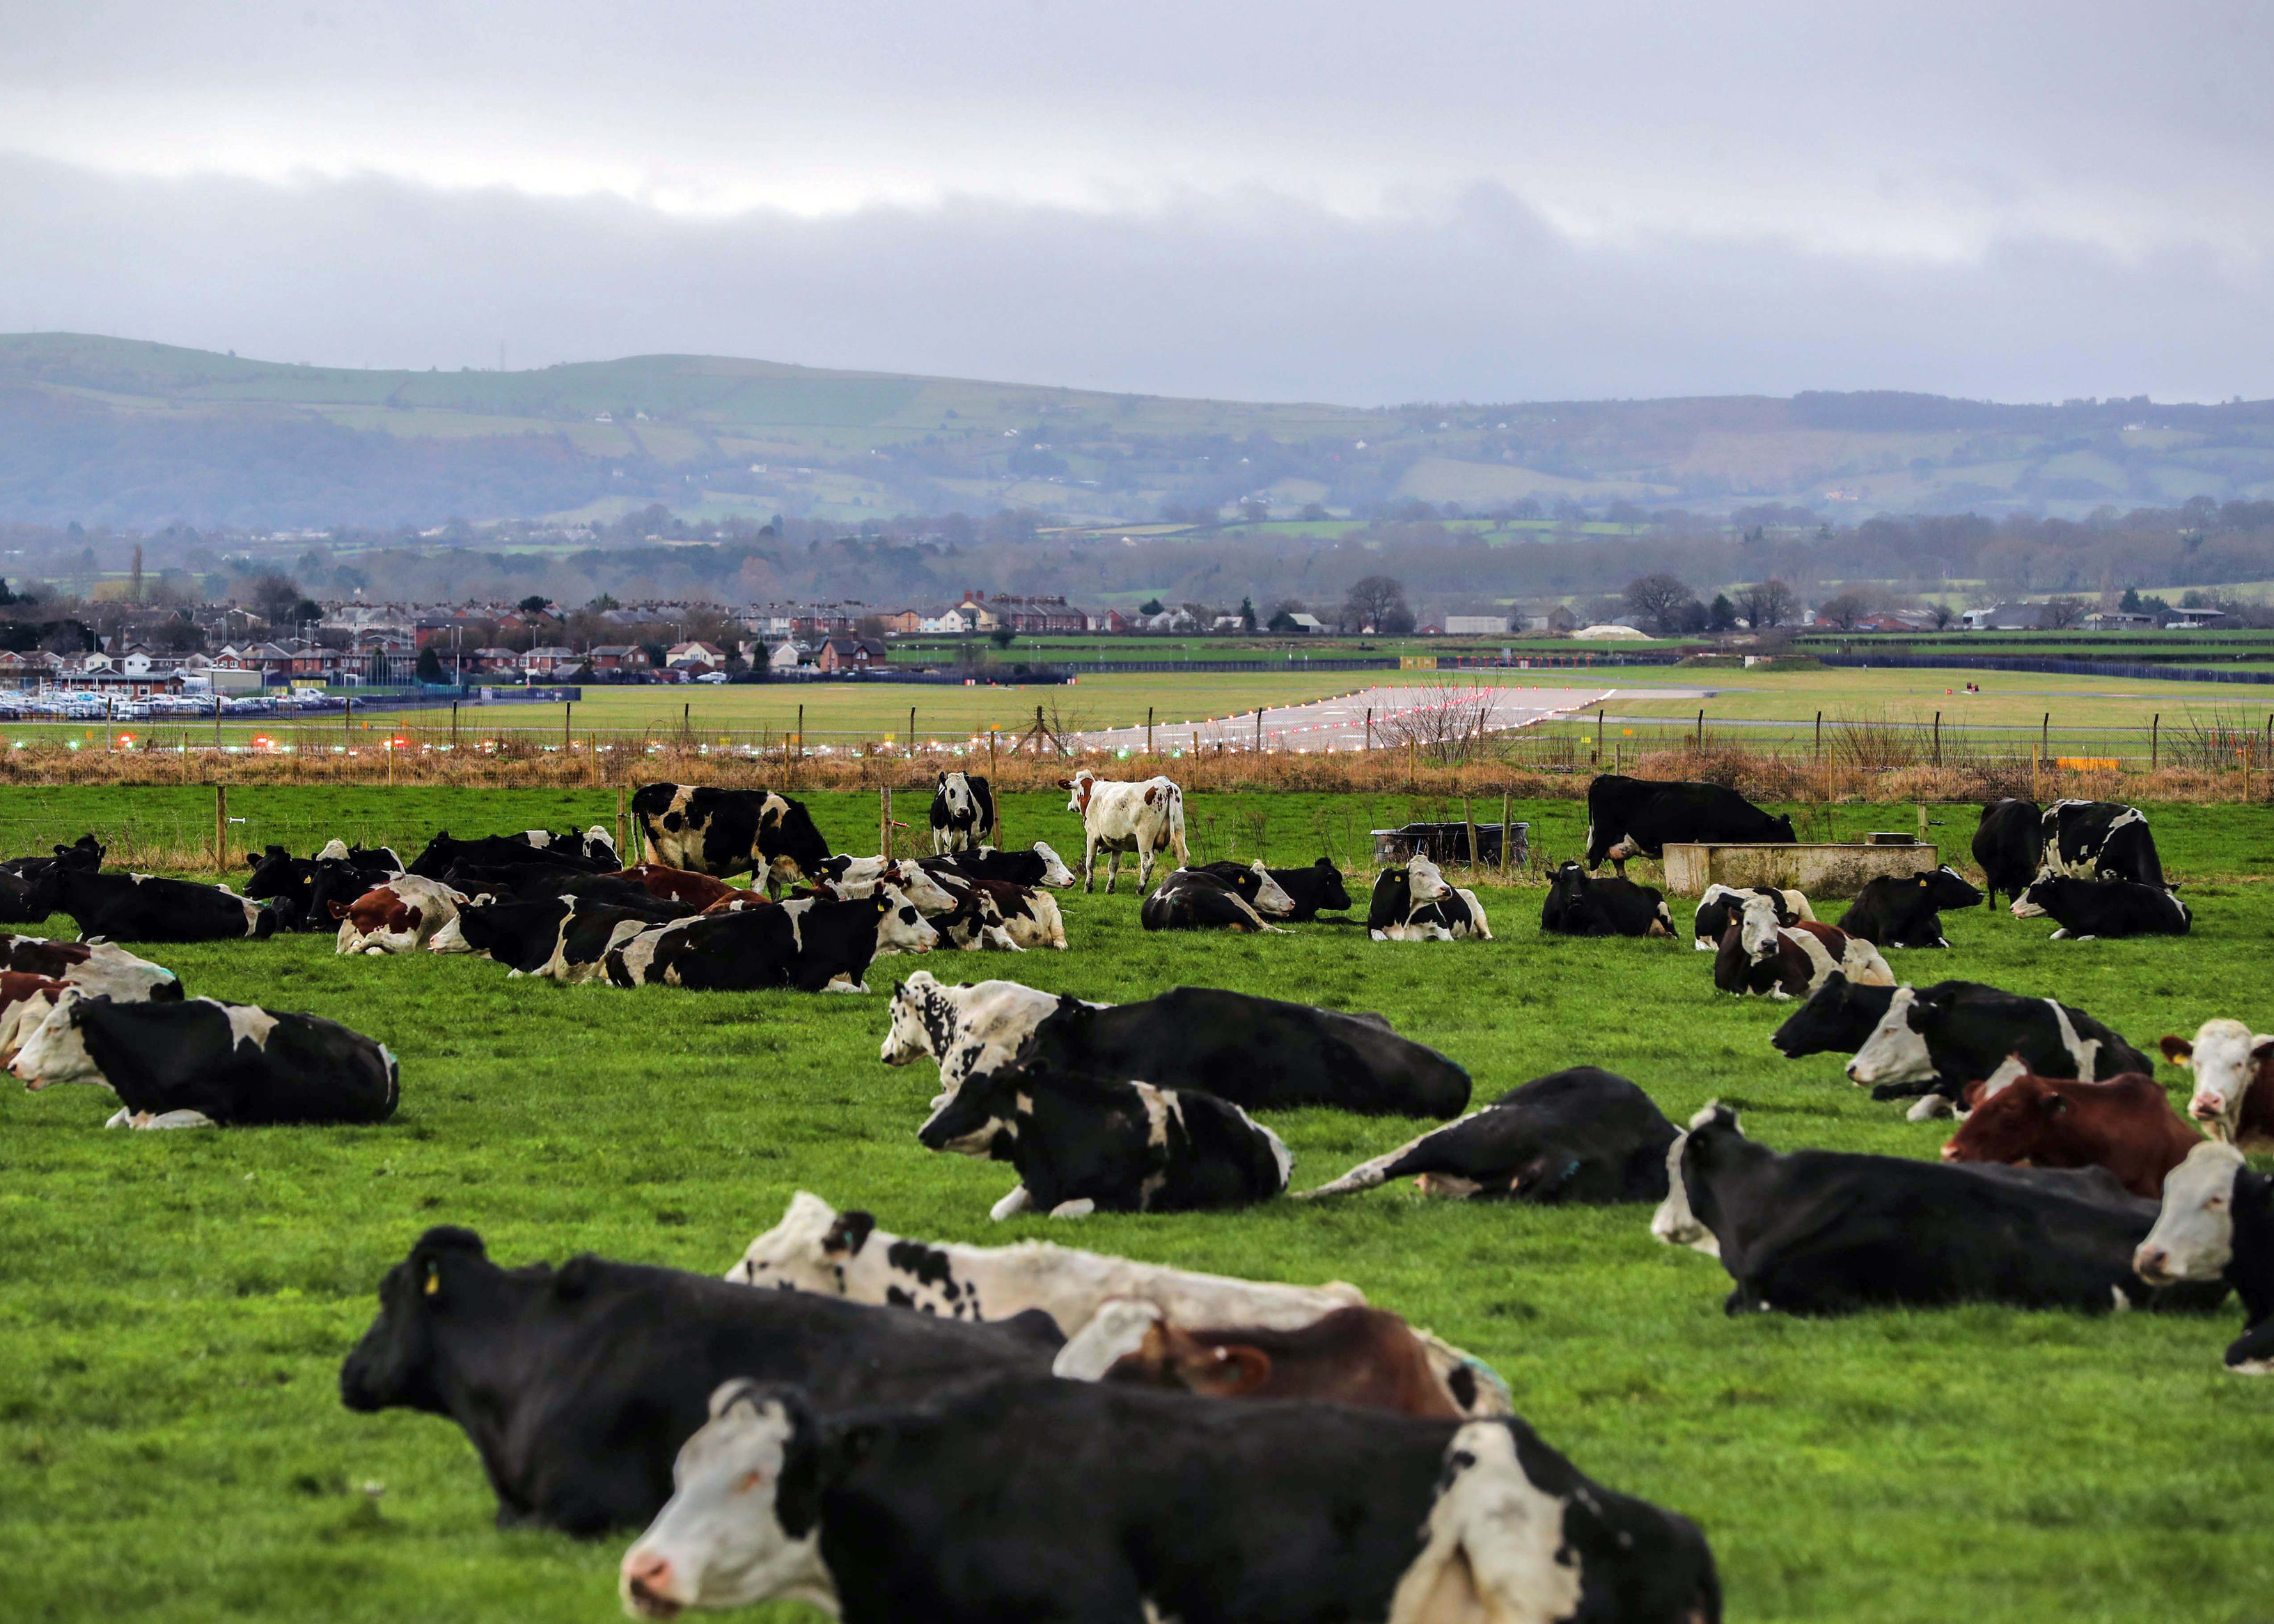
[(175, 1307)]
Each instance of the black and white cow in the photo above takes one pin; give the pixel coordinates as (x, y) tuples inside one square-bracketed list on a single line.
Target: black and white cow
[(1933, 1040), (1415, 903), (1637, 817), (1832, 1232), (444, 852), (198, 1062), (1578, 906), (1255, 883), (1579, 1135), (932, 891), (566, 939), (1037, 866), (725, 832), (994, 913), (2217, 1225), (2099, 840), (1761, 956), (1198, 900), (1313, 891), (141, 907), (2088, 909), (1073, 1501), (1906, 910), (810, 946), (576, 1385), (2009, 846), (23, 899), (100, 967), (1721, 906), (962, 812), (301, 890), (1256, 1052), (1086, 1144)]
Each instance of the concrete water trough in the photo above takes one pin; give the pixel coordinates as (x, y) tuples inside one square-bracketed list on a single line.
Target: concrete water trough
[(1819, 868)]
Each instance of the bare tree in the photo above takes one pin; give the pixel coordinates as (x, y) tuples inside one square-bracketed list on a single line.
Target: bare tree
[(1942, 614), (1450, 732), (1378, 601), (1768, 605), (1661, 600), (1844, 610), (2059, 613)]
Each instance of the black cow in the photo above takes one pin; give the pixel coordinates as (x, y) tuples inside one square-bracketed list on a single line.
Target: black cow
[(962, 812), (1906, 910), (1313, 891), (2216, 1225), (725, 832), (1722, 906), (1935, 1039), (1582, 1135), (2100, 840), (1196, 899), (24, 899), (577, 1385), (199, 1063), (1578, 906), (1830, 1232), (140, 907), (2009, 846), (444, 854), (85, 852), (1087, 1144), (1037, 866), (811, 946), (1256, 1052), (1637, 817), (2085, 909), (301, 890), (1072, 1500)]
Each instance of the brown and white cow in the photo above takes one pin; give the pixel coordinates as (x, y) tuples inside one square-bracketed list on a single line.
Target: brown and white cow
[(697, 890), (1760, 955), (26, 1000), (2233, 1098), (1365, 1357), (2126, 1124), (1146, 818), (401, 916)]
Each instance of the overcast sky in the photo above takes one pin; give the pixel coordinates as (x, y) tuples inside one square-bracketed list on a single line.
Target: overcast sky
[(1489, 199)]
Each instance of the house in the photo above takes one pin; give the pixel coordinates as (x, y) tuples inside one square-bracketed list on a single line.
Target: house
[(786, 657), (2121, 620), (1227, 623), (1476, 625), (698, 655), (2015, 617), (1106, 620), (626, 656), (1558, 621), (544, 662), (264, 659), (976, 614), (1037, 615), (851, 654), (901, 622), (2198, 620)]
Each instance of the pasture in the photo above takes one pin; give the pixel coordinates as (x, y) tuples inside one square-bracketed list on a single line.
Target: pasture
[(176, 1306)]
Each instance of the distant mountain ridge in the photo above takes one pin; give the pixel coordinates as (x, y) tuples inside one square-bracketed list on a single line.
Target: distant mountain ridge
[(136, 434)]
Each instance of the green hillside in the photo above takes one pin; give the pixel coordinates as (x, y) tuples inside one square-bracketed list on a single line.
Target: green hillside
[(133, 433)]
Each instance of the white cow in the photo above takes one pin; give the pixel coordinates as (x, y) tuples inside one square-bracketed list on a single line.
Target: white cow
[(2227, 1059), (971, 1031), (1145, 818)]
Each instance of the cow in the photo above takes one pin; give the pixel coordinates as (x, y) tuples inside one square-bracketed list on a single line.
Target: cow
[(2086, 910), (1637, 817), (962, 812), (1255, 883), (1722, 903), (1147, 818), (1195, 899), (1029, 915), (85, 852), (727, 831), (1931, 1042), (1579, 1135), (2125, 1125), (810, 946), (1578, 906), (301, 890), (2233, 1066), (1760, 956), (698, 891), (1037, 866), (445, 853), (1414, 903), (859, 877), (1258, 1053), (24, 899), (989, 914), (1029, 1498), (2216, 1227), (1833, 1232), (2099, 840), (379, 860), (1085, 1143), (26, 1000), (1313, 891), (1365, 1357), (577, 1385), (1905, 910), (140, 907), (199, 1063), (2009, 847), (401, 916), (92, 966), (975, 924)]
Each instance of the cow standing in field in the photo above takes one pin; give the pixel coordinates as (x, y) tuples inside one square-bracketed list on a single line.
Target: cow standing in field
[(2233, 1067), (1147, 818), (2009, 847), (726, 831), (1637, 817), (963, 813)]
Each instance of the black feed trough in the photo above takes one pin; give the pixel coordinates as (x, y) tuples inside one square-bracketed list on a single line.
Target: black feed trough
[(1449, 843)]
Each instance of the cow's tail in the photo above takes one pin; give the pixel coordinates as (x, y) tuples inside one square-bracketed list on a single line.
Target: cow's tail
[(1177, 827)]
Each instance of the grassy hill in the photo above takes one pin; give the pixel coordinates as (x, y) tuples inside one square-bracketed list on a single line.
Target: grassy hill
[(133, 433)]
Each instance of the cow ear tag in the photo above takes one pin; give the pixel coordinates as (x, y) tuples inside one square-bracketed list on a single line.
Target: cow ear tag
[(433, 1278)]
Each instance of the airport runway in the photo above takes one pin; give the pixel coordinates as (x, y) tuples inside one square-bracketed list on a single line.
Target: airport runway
[(1341, 724)]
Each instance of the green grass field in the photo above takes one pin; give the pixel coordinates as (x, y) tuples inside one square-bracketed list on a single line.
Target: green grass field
[(175, 1307)]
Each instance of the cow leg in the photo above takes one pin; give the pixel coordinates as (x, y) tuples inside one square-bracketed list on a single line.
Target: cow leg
[(1113, 870), (1018, 1201), (1074, 1209), (121, 1118), (1088, 860), (176, 1119), (1144, 867)]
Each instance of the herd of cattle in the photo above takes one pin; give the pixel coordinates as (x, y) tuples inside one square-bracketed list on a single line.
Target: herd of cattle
[(898, 1428)]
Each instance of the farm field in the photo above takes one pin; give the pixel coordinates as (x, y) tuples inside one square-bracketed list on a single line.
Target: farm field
[(176, 1306)]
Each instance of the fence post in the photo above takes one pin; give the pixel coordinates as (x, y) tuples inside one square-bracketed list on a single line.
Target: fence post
[(566, 707), (1149, 730), (221, 827), (2155, 727), (884, 821), (623, 834), (912, 732), (1507, 834), (1469, 817), (1938, 743), (1259, 730), (1596, 760), (1819, 735), (1701, 728), (801, 735), (454, 725)]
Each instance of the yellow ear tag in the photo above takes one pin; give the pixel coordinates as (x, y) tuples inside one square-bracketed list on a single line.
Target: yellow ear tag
[(434, 1280)]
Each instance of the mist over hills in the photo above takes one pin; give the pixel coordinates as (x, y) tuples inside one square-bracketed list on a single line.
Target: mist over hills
[(136, 435)]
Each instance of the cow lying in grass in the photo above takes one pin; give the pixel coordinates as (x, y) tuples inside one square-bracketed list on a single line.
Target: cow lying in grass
[(812, 946), (2216, 1229), (2126, 1124), (2086, 910), (1759, 956), (1200, 899), (1414, 903), (1722, 906), (1905, 910), (1577, 905), (2233, 1067), (401, 916)]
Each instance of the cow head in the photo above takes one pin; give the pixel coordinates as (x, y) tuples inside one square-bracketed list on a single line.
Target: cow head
[(1078, 790), (742, 1522), (1837, 1017), (901, 927), (1760, 926), (2045, 894), (980, 1119), (1055, 874), (1332, 896), (2225, 1057), (56, 1051), (1947, 888), (1687, 1216), (447, 1275), (807, 1250), (952, 798), (2024, 1119), (2193, 1237), (1896, 1051), (918, 885), (922, 1020), (1168, 1357), (1426, 881), (1781, 825), (84, 854)]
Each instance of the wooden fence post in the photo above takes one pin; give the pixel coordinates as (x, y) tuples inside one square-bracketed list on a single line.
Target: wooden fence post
[(1819, 735), (454, 725), (801, 732), (221, 827), (1596, 760), (1507, 835), (885, 822), (1149, 730), (1369, 727), (1701, 729), (566, 707), (623, 835), (912, 732), (1469, 817), (2154, 727), (1938, 740), (1259, 730)]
